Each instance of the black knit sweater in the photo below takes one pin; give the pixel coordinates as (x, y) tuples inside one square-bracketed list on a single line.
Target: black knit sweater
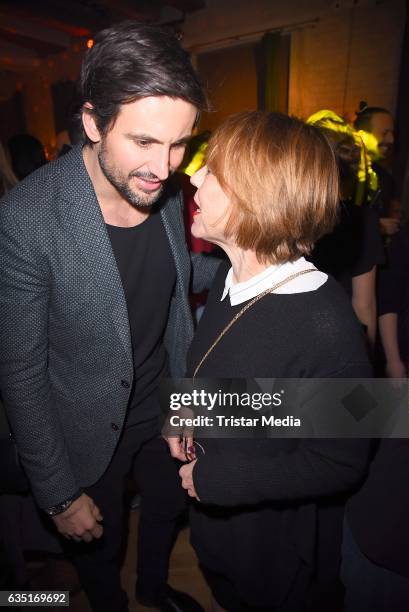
[(257, 520)]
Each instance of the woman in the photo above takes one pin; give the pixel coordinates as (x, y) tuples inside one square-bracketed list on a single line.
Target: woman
[(263, 525)]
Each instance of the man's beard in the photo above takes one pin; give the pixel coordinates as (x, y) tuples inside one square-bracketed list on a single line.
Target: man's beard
[(122, 184), (384, 150)]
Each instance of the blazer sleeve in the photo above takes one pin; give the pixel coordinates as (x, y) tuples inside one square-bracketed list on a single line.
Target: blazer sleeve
[(204, 268), (24, 379)]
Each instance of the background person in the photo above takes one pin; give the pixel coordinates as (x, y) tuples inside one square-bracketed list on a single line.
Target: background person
[(352, 252), (376, 127), (27, 155), (393, 294), (7, 176)]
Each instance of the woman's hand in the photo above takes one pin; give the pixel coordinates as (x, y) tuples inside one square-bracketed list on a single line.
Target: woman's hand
[(180, 438), (186, 474), (181, 448)]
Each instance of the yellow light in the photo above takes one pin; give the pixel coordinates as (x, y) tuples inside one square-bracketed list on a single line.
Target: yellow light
[(367, 180), (197, 161), (90, 43)]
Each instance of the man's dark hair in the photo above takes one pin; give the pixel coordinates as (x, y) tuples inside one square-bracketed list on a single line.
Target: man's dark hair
[(130, 61), (363, 120)]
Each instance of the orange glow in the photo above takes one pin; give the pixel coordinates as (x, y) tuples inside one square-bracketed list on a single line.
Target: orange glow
[(90, 43)]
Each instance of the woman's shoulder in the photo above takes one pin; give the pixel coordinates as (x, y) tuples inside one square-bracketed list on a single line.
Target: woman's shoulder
[(338, 330), (325, 321), (330, 296), (330, 308)]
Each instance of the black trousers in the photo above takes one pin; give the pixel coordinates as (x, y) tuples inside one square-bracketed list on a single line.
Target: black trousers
[(163, 501)]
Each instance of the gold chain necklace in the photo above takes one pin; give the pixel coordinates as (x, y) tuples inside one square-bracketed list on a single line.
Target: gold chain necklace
[(245, 309)]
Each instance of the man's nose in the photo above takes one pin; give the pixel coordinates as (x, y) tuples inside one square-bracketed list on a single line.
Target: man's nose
[(390, 138), (160, 165)]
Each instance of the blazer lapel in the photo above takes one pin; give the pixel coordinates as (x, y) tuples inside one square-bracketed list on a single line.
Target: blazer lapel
[(86, 224), (171, 214)]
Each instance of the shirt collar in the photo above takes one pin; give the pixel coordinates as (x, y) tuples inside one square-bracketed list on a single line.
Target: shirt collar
[(241, 292)]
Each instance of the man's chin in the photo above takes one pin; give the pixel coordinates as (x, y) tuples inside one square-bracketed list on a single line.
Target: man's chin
[(384, 152), (143, 199)]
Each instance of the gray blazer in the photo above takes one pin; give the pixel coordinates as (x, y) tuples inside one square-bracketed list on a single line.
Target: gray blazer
[(66, 364)]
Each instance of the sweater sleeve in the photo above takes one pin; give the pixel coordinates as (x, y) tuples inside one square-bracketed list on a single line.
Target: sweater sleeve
[(316, 468)]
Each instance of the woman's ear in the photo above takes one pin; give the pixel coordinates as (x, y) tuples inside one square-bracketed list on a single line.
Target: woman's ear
[(88, 121)]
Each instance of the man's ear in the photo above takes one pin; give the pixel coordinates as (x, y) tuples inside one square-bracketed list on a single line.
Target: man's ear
[(88, 121)]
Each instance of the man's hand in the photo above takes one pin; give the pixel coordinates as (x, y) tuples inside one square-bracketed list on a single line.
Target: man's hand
[(186, 474), (80, 520)]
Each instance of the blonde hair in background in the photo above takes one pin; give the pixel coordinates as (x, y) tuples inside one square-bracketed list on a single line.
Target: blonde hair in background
[(338, 132), (282, 178)]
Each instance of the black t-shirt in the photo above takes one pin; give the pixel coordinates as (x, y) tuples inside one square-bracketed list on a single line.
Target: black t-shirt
[(393, 287), (148, 275), (353, 248), (387, 189)]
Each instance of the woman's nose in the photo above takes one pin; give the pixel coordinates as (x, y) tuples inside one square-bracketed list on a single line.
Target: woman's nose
[(197, 178)]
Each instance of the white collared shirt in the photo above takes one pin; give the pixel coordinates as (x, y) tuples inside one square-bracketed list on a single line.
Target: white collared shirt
[(242, 292)]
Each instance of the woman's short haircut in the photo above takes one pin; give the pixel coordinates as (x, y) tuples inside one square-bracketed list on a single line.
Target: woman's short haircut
[(282, 177), (130, 61)]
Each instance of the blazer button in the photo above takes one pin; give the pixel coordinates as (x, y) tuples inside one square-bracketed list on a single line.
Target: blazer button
[(125, 384), (114, 426)]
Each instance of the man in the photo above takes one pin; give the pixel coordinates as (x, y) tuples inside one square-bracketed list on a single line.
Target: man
[(93, 300), (375, 125)]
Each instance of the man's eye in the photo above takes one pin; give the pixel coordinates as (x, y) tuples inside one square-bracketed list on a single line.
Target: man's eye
[(143, 143)]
